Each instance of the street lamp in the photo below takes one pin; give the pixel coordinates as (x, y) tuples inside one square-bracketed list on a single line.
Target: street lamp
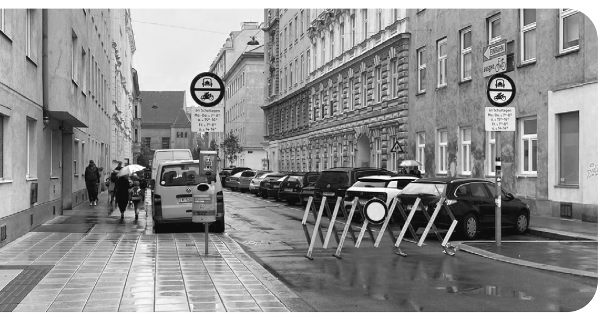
[(253, 41)]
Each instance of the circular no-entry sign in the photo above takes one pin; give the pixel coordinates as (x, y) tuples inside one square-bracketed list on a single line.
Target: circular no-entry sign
[(207, 89), (375, 211), (501, 90)]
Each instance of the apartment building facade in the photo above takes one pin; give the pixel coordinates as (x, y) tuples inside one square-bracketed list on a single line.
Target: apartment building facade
[(550, 160)]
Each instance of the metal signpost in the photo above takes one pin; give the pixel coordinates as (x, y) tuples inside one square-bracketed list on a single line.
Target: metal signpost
[(501, 90)]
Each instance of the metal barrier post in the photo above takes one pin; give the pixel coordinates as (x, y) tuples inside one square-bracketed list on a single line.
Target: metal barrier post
[(309, 204), (407, 222), (332, 223), (431, 222), (317, 228), (386, 226), (346, 227)]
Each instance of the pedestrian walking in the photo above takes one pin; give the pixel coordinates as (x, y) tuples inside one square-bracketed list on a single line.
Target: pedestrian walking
[(135, 197), (122, 193), (92, 177), (113, 182)]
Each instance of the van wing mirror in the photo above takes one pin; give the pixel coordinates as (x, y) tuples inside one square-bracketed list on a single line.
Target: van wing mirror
[(152, 184)]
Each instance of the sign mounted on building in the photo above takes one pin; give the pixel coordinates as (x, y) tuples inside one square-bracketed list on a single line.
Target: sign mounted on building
[(494, 59), (501, 90), (500, 119), (207, 89), (397, 148), (207, 119)]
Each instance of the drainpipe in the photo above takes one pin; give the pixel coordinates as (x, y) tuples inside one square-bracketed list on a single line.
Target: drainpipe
[(46, 118)]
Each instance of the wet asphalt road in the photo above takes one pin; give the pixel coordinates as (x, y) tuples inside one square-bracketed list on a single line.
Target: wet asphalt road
[(374, 279)]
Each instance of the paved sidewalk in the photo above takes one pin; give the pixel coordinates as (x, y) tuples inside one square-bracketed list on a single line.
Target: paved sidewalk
[(571, 247), (108, 271)]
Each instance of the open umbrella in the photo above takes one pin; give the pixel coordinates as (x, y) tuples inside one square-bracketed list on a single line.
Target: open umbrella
[(130, 169), (410, 163)]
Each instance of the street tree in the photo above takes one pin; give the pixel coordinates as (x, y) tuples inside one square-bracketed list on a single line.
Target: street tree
[(231, 147), (146, 156)]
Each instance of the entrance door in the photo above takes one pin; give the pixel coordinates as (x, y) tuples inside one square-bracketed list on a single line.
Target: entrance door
[(363, 153)]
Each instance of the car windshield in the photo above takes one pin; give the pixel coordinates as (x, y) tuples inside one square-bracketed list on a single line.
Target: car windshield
[(371, 183), (415, 188), (248, 174), (262, 176), (175, 175), (273, 177), (333, 177), (237, 175), (313, 178), (282, 178)]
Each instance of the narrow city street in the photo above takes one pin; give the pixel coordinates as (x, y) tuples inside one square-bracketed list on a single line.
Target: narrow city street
[(374, 279)]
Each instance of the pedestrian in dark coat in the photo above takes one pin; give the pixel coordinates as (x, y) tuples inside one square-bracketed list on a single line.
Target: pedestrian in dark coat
[(92, 177), (122, 193)]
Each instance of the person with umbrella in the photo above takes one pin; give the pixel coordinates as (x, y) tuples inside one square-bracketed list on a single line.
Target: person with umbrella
[(413, 166), (123, 185)]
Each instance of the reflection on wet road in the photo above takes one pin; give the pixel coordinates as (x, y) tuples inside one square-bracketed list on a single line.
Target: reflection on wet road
[(374, 279)]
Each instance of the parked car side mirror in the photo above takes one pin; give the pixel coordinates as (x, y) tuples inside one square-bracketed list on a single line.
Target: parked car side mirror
[(152, 184), (509, 196)]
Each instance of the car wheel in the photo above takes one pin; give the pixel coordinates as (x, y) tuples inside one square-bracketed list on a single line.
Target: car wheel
[(521, 223), (218, 226), (470, 226)]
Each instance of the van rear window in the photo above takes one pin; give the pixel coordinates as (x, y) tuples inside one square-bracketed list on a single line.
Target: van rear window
[(177, 175)]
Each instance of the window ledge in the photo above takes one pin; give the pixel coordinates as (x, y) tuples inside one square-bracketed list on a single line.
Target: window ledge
[(3, 181), (562, 54), (76, 175), (84, 93), (31, 61), (420, 93), (521, 176), (31, 179), (566, 186), (441, 87), (54, 177), (465, 81), (526, 64)]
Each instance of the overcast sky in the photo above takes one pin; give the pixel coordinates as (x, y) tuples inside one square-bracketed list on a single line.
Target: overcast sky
[(168, 58)]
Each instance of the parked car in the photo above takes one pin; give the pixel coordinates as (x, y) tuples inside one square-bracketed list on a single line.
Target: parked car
[(293, 184), (232, 181), (265, 183), (245, 179), (472, 202), (172, 198), (335, 181), (223, 174), (255, 182), (384, 188), (273, 188), (306, 192)]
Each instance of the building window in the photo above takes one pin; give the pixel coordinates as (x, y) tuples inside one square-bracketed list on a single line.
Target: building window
[(568, 148), (165, 143), (74, 56), (466, 54), (363, 89), (379, 20), (323, 61), (302, 68), (393, 78), (442, 62), (528, 143), (569, 30), (421, 70), (301, 23), (442, 160), (1, 136), (314, 57), (528, 35), (296, 27), (349, 101), (377, 150), (466, 143), (494, 26), (285, 80), (2, 28), (76, 156), (353, 30), (285, 39), (340, 97), (378, 84), (332, 44), (296, 71), (29, 33), (342, 38), (491, 153), (291, 34), (291, 74), (30, 146), (394, 15), (365, 24), (308, 71), (421, 151)]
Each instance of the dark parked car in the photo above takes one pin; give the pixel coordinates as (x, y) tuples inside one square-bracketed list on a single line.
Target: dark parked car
[(472, 202), (293, 184), (335, 181), (274, 186), (223, 174), (265, 184), (255, 182), (232, 181), (306, 192)]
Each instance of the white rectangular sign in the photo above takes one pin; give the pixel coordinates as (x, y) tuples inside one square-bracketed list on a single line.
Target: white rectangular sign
[(500, 119), (494, 66), (205, 119)]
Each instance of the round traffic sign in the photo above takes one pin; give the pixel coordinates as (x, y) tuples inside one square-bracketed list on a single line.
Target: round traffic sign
[(501, 90), (207, 89), (375, 211)]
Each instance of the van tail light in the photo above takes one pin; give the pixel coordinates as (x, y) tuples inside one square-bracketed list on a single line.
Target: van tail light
[(450, 202)]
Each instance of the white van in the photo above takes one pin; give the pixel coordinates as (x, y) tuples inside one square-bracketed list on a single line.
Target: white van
[(162, 155), (172, 199)]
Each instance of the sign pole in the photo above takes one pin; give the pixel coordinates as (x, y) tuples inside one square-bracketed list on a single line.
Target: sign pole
[(498, 181)]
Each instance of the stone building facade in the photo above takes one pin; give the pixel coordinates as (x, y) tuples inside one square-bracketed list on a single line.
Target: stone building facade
[(552, 58)]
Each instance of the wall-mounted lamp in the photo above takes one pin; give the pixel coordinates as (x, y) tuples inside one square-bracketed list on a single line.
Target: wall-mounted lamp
[(45, 121)]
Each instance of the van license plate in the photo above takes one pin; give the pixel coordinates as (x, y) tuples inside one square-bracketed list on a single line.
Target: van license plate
[(329, 193), (186, 200), (288, 190)]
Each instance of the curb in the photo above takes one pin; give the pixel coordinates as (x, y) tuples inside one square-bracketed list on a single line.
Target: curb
[(497, 257), (560, 235)]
